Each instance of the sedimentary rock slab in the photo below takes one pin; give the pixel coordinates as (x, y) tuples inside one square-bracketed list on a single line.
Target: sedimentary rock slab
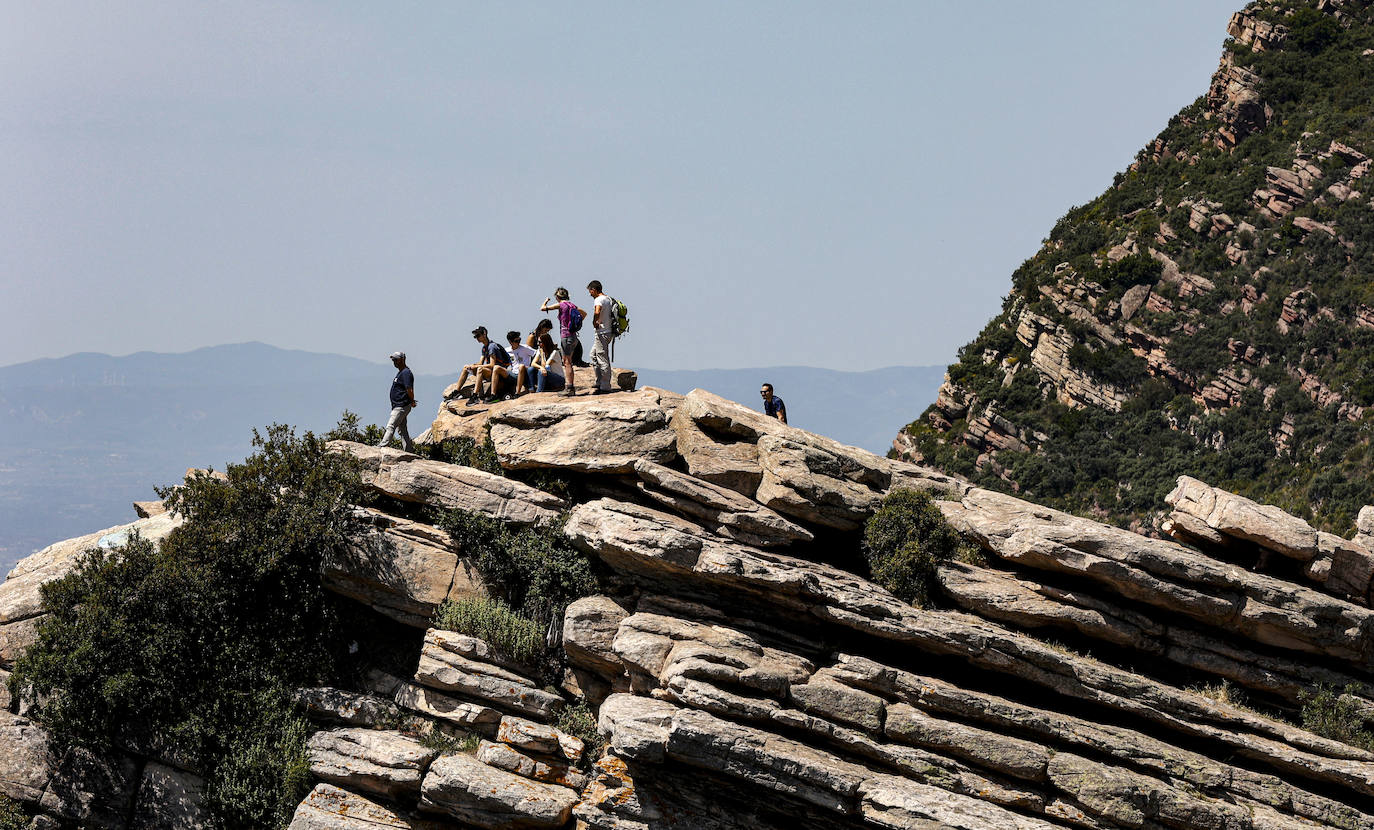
[(546, 770), (385, 763), (471, 791), (1168, 576), (1243, 518), (719, 508), (92, 791), (601, 434), (402, 569), (443, 667), (27, 761), (451, 486), (539, 738), (902, 804), (324, 703), (329, 808), (589, 627)]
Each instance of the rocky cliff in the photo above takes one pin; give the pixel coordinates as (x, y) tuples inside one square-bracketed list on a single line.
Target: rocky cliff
[(1210, 314), (744, 671)]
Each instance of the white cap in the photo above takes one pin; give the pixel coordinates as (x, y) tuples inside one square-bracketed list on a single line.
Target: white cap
[(398, 355)]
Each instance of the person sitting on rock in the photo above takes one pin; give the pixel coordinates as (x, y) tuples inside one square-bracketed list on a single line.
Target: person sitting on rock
[(520, 358), (547, 368), (542, 328), (773, 406), (494, 367), (569, 345)]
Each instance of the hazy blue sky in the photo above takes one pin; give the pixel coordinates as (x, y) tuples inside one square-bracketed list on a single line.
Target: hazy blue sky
[(846, 185)]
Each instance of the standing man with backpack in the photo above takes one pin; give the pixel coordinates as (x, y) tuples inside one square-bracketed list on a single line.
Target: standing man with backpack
[(569, 322), (402, 401), (603, 318)]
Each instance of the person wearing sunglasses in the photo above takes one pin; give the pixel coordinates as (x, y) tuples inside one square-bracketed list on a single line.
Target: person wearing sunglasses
[(773, 406)]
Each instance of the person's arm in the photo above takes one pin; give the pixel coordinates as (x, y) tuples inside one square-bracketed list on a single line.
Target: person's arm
[(546, 306), (782, 412)]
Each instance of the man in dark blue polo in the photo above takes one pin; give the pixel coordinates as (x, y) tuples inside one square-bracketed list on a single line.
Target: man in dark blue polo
[(402, 401), (773, 406)]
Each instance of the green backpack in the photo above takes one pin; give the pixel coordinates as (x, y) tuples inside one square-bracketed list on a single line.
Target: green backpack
[(620, 317)]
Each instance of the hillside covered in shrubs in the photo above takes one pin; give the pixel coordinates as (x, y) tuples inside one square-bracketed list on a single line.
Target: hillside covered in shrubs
[(1210, 314)]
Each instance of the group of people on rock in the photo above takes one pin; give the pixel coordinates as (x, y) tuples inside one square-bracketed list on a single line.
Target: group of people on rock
[(535, 365), (539, 364)]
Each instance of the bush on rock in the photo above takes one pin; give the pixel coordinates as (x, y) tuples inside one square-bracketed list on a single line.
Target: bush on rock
[(904, 541)]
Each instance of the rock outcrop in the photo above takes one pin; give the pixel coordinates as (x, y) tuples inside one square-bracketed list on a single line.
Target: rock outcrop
[(746, 672)]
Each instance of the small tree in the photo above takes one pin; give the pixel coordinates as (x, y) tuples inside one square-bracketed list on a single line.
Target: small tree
[(905, 540)]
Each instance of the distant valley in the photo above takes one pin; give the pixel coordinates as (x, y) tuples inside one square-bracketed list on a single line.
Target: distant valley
[(85, 435)]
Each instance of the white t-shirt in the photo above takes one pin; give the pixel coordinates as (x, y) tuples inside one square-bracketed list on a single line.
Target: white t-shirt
[(521, 354), (607, 315), (555, 364)]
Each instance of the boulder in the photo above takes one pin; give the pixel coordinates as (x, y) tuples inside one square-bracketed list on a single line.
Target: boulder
[(601, 434), (442, 707), (546, 770), (718, 508), (169, 799), (1243, 518), (400, 568), (329, 808), (589, 628), (451, 486), (484, 796), (541, 739), (149, 509), (388, 764), (443, 667)]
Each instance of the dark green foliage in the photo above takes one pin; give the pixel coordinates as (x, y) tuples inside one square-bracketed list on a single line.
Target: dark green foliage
[(1136, 269), (535, 569), (190, 643), (1333, 715), (904, 541), (579, 721), (265, 771), (12, 816), (467, 452), (349, 429), (513, 636)]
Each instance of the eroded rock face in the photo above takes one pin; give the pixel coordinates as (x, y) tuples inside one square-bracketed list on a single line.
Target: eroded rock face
[(444, 666), (378, 762), (481, 795), (331, 808), (169, 799), (602, 434)]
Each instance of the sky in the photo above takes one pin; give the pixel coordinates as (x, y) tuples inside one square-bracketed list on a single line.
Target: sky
[(840, 185)]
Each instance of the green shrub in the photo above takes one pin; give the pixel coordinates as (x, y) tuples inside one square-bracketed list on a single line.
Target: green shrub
[(265, 773), (188, 643), (12, 816), (579, 721), (348, 429), (1336, 716), (905, 540), (468, 453), (510, 634), (536, 570)]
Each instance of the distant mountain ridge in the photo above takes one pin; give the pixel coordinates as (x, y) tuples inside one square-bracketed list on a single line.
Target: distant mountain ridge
[(85, 435)]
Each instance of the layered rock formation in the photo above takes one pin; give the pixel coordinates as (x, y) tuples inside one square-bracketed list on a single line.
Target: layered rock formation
[(745, 672)]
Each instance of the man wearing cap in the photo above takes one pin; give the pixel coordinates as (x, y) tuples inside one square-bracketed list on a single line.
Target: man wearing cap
[(402, 401)]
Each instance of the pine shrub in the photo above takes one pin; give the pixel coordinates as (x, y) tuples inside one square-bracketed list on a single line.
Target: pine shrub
[(905, 540)]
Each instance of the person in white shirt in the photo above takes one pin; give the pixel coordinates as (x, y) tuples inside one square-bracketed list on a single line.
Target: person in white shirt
[(521, 356), (603, 320), (547, 366)]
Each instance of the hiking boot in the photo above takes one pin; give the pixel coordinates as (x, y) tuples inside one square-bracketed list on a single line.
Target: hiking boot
[(567, 392), (472, 401)]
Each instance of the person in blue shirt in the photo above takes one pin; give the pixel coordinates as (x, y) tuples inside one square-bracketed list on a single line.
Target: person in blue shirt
[(773, 406), (402, 401)]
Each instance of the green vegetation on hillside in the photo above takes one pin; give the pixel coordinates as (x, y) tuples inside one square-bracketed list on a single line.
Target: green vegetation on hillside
[(194, 645), (1288, 435)]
